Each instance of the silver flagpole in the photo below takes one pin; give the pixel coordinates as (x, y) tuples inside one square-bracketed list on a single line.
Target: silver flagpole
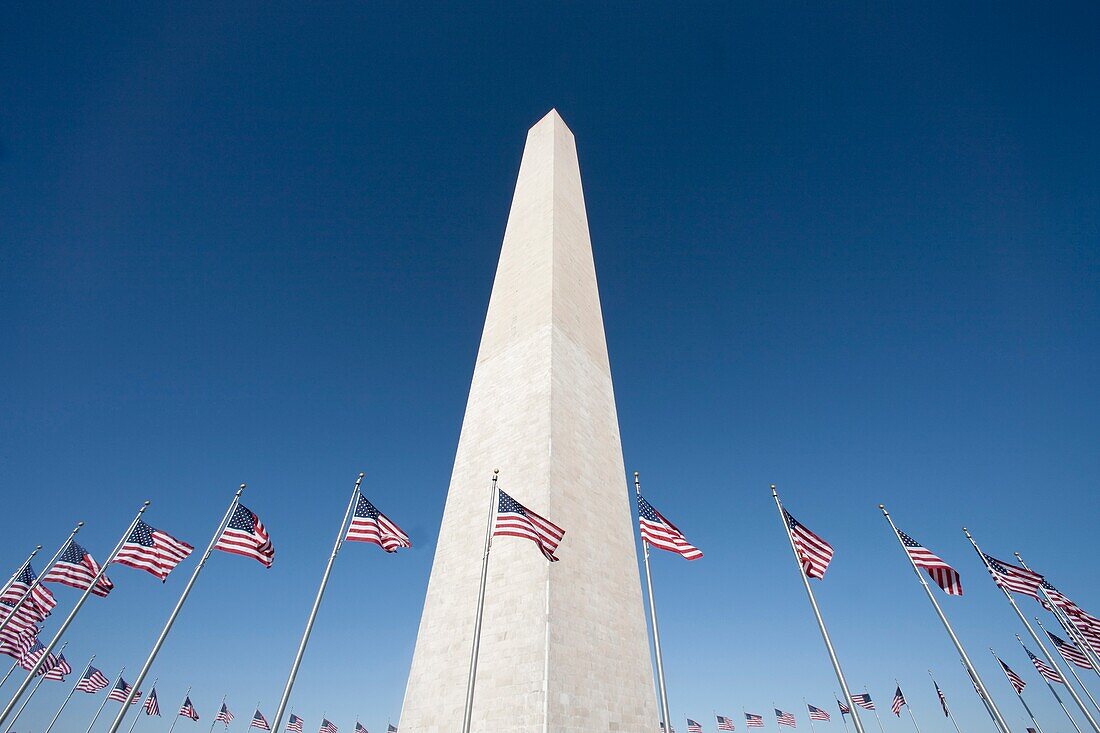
[(1042, 647), (137, 716), (214, 720), (908, 707), (176, 611), (875, 710), (19, 569), (13, 666), (1072, 671), (285, 699), (30, 696), (72, 615), (472, 679), (38, 579), (842, 720), (998, 719), (70, 695), (807, 706), (665, 710), (1068, 624), (175, 719), (817, 615), (102, 704), (1018, 693), (946, 708), (1053, 692)]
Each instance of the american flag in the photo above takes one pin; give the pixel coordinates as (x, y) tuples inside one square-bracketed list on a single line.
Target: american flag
[(943, 699), (899, 700), (814, 552), (694, 727), (76, 569), (152, 707), (1016, 680), (1087, 624), (371, 525), (17, 637), (30, 658), (149, 549), (327, 726), (187, 710), (92, 682), (259, 721), (844, 709), (1012, 578), (295, 724), (663, 534), (224, 716), (817, 713), (1069, 652), (58, 671), (672, 728), (1044, 669), (516, 520), (37, 605), (864, 701), (245, 535), (393, 728), (724, 723), (945, 576), (359, 728), (784, 718), (752, 720), (121, 690)]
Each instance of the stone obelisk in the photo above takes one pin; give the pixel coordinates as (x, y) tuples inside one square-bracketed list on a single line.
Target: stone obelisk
[(564, 647)]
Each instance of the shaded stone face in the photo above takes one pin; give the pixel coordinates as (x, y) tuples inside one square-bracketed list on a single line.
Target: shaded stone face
[(564, 646)]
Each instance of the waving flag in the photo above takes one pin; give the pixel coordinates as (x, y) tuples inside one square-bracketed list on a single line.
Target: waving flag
[(864, 701), (943, 700), (245, 535), (516, 520), (663, 534), (945, 576), (899, 700), (694, 727), (1043, 668), (259, 721), (327, 726), (359, 728), (92, 682), (844, 709), (30, 658), (752, 720), (1012, 578), (1070, 653), (37, 605), (784, 718), (724, 723), (58, 671), (187, 710), (814, 552), (224, 716), (149, 549), (76, 569), (152, 707), (371, 525), (393, 729), (121, 690), (817, 713), (295, 724), (1017, 681)]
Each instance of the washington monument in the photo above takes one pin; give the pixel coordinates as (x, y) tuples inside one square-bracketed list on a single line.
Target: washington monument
[(564, 645)]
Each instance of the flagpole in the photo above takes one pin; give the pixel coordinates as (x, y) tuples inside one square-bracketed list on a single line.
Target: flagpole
[(215, 720), (998, 719), (817, 615), (1042, 647), (807, 706), (1068, 624), (104, 703), (1072, 671), (665, 712), (1053, 691), (908, 707), (13, 666), (176, 611), (946, 709), (874, 710), (842, 720), (173, 726), (472, 679), (19, 569), (72, 615), (38, 578), (1018, 693), (254, 715), (38, 684), (70, 695), (285, 699), (137, 717)]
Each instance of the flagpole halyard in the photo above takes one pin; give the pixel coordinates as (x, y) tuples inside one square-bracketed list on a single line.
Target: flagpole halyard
[(72, 615), (68, 697), (1067, 623), (38, 578), (472, 678), (998, 719), (1042, 647), (833, 659), (38, 684), (284, 700), (1018, 693), (176, 611), (665, 712)]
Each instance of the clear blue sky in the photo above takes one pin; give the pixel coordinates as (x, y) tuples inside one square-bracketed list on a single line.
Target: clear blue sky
[(852, 251)]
